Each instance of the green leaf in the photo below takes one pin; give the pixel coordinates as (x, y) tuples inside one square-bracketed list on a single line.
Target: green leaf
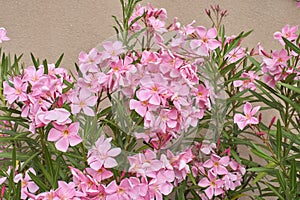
[(291, 45), (293, 88), (260, 153), (45, 67), (38, 181), (281, 179), (59, 60), (278, 140), (274, 190), (255, 62), (29, 160), (293, 176), (291, 102), (34, 61)]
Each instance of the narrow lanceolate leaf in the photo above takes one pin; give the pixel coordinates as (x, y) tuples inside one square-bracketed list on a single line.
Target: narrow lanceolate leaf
[(38, 181), (45, 67), (59, 60), (35, 62), (281, 179), (293, 176), (291, 102), (291, 87), (278, 140), (275, 191), (260, 153), (292, 46)]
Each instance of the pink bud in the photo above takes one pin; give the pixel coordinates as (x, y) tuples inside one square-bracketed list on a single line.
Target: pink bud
[(224, 13), (226, 151), (261, 133), (207, 12), (272, 122), (252, 52), (2, 191), (218, 144), (259, 117)]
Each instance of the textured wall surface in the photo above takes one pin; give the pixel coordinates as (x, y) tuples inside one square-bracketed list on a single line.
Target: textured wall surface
[(48, 28)]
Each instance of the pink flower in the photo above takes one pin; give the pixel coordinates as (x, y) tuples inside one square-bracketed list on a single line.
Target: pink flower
[(121, 191), (59, 115), (112, 50), (151, 92), (206, 41), (159, 186), (89, 62), (250, 77), (167, 120), (202, 96), (17, 92), (100, 174), (217, 165), (213, 183), (84, 101), (63, 136), (287, 32), (298, 4), (102, 154), (157, 25), (242, 121), (3, 36), (26, 183), (66, 191), (235, 54), (145, 164), (207, 147)]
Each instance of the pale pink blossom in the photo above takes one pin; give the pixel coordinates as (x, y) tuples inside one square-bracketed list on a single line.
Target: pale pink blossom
[(100, 174), (243, 120), (213, 184), (17, 92), (27, 185), (121, 191), (287, 32), (66, 191), (3, 36), (248, 83), (102, 155), (63, 136), (206, 41), (112, 50), (89, 62), (84, 101), (235, 54), (59, 115), (217, 165)]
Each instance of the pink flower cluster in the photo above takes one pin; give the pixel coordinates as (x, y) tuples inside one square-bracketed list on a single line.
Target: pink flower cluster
[(217, 174), (161, 86), (148, 176), (42, 98), (275, 65)]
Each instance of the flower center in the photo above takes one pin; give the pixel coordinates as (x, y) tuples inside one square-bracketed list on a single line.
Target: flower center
[(154, 89), (248, 116), (18, 91), (81, 104), (66, 133)]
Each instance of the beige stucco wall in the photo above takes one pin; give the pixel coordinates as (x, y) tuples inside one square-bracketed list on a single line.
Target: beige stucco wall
[(48, 27)]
